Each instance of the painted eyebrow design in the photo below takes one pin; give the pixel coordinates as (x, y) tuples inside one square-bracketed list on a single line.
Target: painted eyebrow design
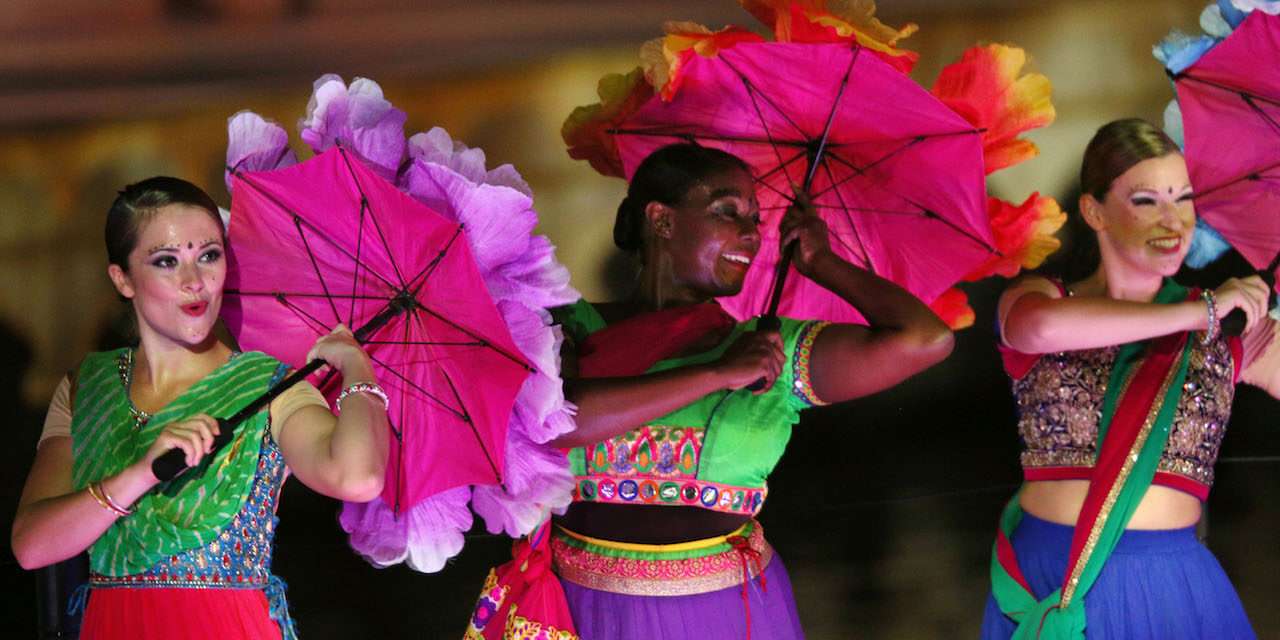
[(1142, 187), (172, 247)]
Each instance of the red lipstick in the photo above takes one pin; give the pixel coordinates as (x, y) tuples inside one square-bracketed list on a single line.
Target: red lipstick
[(195, 309)]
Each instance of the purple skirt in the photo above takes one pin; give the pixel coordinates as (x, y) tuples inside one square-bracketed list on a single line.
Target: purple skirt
[(1157, 585), (718, 615)]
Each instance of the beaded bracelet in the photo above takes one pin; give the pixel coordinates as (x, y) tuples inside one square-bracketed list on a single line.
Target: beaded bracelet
[(370, 388), (1211, 331), (100, 495)]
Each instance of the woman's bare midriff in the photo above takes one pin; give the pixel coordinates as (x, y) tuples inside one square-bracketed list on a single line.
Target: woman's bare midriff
[(1060, 501), (648, 524)]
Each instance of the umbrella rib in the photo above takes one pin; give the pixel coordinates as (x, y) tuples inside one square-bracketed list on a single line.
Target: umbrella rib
[(765, 125), (272, 294), (303, 314), (871, 266), (417, 387), (826, 130), (924, 211), (695, 137), (314, 229), (1249, 100), (403, 399), (471, 425), (891, 212), (752, 91), (487, 344), (1252, 175), (1225, 87), (297, 224), (862, 171), (431, 266), (355, 273), (426, 343), (760, 179), (364, 202)]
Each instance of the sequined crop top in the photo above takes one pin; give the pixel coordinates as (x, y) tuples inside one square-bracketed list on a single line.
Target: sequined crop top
[(240, 556), (1059, 405), (715, 453)]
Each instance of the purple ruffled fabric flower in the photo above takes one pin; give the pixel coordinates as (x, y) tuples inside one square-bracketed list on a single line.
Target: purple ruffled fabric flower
[(358, 117), (256, 144)]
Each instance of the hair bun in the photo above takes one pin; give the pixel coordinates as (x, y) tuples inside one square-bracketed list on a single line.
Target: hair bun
[(626, 227)]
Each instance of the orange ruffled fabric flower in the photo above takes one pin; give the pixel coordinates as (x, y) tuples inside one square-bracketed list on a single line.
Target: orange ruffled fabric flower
[(663, 58), (586, 130), (835, 21), (1024, 236), (952, 307), (985, 88)]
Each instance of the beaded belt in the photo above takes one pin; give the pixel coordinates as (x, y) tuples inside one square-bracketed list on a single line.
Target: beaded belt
[(179, 581), (662, 491), (686, 568)]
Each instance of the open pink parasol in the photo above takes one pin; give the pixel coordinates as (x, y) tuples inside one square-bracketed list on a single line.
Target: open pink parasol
[(897, 171), (1230, 107)]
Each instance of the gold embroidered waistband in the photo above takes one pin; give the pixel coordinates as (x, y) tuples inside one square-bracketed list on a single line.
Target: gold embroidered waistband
[(686, 568)]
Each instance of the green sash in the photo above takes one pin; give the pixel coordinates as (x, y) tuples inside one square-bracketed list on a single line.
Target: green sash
[(189, 511), (1137, 413)]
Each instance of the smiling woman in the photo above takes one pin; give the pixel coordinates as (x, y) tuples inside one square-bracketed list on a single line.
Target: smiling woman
[(189, 558), (1123, 382), (666, 419)]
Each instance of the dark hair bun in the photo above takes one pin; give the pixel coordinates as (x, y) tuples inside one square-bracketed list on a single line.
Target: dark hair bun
[(627, 227)]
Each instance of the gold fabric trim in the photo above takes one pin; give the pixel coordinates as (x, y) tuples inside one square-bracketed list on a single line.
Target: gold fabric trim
[(1091, 543), (659, 577)]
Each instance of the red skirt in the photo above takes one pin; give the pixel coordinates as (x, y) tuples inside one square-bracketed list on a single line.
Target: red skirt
[(162, 613)]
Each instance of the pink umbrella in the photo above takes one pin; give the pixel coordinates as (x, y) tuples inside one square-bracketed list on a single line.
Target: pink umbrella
[(1230, 102), (897, 175), (329, 241)]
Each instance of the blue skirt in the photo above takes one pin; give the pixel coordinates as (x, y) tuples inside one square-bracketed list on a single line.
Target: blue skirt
[(1157, 585)]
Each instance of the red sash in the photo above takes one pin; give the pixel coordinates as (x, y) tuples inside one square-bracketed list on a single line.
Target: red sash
[(634, 345)]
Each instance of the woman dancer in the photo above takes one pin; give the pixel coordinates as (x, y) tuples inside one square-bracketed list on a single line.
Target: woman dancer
[(674, 442), (1124, 382), (191, 558)]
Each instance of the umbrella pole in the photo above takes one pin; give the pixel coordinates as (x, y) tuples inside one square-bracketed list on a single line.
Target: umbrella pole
[(173, 462), (769, 321)]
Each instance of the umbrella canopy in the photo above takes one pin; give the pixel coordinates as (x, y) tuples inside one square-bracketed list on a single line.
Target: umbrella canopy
[(329, 241), (897, 175), (1231, 122)]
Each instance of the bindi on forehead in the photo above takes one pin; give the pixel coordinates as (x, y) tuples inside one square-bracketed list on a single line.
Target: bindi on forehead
[(190, 246)]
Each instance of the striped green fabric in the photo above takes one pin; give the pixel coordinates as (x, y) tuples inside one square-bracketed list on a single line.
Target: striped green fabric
[(189, 511)]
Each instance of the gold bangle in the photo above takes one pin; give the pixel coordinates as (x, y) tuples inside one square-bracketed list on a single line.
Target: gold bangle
[(100, 496), (115, 506), (93, 491)]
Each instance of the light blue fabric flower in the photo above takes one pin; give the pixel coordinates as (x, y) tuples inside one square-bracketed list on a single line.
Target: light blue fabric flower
[(1212, 22), (1270, 7), (1207, 245), (1177, 51), (1231, 13)]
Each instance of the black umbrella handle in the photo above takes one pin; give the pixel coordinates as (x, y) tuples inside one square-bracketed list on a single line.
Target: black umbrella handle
[(1233, 323), (769, 321), (173, 463)]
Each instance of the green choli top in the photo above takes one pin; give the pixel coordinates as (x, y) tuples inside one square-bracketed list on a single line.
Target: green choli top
[(108, 433), (716, 452)]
